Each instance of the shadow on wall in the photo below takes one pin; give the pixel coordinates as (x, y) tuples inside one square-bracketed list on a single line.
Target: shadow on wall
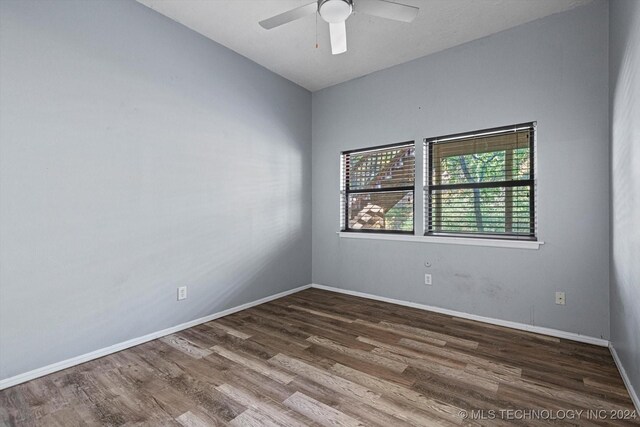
[(625, 185), (138, 156)]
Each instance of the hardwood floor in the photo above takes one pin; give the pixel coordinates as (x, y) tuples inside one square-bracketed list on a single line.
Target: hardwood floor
[(321, 358)]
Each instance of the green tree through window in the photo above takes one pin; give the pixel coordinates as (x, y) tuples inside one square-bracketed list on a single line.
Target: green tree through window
[(481, 185)]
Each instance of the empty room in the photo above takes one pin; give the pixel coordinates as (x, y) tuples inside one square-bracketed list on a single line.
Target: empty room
[(319, 213)]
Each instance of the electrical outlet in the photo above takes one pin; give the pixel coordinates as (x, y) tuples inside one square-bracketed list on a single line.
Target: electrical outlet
[(560, 300), (427, 279), (182, 293)]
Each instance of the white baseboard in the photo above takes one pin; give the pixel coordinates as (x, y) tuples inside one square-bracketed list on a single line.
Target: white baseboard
[(625, 378), (64, 364), (49, 369), (506, 323)]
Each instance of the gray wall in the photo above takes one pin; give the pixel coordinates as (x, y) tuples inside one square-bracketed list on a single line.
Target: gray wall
[(624, 88), (554, 71), (137, 156)]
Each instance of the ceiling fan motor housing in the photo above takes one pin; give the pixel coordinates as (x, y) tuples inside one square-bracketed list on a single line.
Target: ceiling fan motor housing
[(335, 11)]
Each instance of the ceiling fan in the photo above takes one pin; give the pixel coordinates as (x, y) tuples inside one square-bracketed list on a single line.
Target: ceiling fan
[(336, 12)]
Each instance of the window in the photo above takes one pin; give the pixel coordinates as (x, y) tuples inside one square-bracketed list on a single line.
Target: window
[(482, 184), (377, 189)]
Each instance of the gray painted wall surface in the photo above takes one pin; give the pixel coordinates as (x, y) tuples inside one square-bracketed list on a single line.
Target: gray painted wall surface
[(137, 156), (554, 71), (625, 184)]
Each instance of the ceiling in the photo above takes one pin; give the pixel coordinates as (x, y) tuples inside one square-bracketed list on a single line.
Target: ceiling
[(373, 43)]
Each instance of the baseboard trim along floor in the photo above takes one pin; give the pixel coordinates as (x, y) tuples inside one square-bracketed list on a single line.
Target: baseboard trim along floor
[(506, 323), (58, 366), (322, 357), (627, 382), (49, 369), (513, 325)]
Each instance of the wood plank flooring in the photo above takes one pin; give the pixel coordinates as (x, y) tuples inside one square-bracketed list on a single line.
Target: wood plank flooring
[(326, 359)]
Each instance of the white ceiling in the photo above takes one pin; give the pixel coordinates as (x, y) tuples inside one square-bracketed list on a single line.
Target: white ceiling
[(373, 43)]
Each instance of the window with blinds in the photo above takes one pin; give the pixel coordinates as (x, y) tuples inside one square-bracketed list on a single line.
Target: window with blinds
[(377, 189), (482, 183)]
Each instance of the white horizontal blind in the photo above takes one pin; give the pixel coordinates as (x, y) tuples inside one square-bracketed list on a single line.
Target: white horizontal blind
[(377, 189), (482, 183)]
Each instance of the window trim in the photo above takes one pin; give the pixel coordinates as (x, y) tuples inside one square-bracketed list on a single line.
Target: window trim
[(345, 191), (465, 241), (531, 183)]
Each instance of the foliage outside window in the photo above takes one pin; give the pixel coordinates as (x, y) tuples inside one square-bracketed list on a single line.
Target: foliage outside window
[(377, 193), (482, 184)]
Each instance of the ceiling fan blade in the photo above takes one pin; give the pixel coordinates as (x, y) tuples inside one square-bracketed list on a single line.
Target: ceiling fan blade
[(386, 9), (338, 34), (290, 15)]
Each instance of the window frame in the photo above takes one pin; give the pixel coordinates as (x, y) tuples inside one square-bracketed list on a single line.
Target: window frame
[(345, 191), (429, 187)]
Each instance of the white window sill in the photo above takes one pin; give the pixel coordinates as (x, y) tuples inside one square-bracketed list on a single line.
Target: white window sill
[(468, 241)]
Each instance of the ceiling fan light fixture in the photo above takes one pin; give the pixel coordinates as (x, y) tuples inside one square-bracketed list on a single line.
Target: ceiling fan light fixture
[(335, 11)]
